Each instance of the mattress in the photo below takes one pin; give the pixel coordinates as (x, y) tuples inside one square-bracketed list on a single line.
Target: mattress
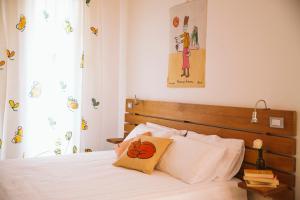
[(91, 176)]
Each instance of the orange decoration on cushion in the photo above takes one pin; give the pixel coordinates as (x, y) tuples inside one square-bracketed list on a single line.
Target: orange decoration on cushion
[(120, 148), (141, 150)]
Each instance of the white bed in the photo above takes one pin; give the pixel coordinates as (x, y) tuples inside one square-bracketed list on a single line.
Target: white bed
[(91, 176)]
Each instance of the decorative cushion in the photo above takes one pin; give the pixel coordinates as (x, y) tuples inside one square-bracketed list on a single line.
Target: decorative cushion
[(143, 153), (120, 148)]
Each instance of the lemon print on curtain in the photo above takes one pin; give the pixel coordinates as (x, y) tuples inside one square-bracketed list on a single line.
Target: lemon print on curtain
[(36, 90), (52, 122), (75, 149), (87, 2), (84, 125), (94, 30), (68, 26), (58, 145), (46, 15), (22, 23), (72, 103), (63, 86), (18, 136), (57, 151), (95, 103), (2, 63), (14, 105), (82, 60), (88, 150), (68, 135), (10, 54)]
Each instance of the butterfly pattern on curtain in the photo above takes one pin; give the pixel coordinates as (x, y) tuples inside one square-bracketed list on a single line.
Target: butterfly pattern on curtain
[(50, 61)]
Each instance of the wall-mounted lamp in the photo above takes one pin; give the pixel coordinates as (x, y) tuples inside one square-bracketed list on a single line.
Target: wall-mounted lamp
[(136, 101), (254, 119)]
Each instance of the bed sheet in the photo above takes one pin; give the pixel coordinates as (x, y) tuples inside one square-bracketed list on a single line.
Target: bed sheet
[(91, 176)]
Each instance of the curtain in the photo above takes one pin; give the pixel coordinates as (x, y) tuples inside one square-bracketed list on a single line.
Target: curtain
[(49, 62)]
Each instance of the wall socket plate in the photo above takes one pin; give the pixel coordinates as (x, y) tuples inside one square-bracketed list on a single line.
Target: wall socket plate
[(277, 122)]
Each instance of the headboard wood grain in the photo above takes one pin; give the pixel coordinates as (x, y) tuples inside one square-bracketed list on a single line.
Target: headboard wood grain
[(227, 122)]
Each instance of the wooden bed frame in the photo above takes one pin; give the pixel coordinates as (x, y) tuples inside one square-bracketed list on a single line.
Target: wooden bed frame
[(228, 122)]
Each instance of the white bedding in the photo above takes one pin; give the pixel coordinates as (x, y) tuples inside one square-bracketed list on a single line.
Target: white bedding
[(91, 176)]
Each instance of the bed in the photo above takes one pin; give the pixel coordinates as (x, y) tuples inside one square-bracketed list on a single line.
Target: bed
[(91, 176), (229, 122)]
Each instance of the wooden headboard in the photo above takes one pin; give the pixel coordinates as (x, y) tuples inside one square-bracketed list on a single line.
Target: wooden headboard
[(227, 122)]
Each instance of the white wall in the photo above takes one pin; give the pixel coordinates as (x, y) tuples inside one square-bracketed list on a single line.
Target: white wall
[(123, 63), (253, 52), (110, 32)]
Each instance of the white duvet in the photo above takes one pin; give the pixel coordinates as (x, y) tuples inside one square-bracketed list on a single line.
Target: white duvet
[(91, 176)]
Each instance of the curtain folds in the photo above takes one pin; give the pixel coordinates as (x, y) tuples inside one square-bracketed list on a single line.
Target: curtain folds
[(50, 62)]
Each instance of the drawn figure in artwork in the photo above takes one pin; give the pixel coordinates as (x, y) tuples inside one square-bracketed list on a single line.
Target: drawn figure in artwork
[(18, 136), (177, 43), (185, 39), (176, 22), (175, 25), (195, 39)]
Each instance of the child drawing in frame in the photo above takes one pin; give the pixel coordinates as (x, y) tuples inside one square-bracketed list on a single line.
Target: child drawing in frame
[(185, 39)]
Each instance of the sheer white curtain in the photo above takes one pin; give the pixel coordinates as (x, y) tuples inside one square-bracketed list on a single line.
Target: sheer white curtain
[(46, 48)]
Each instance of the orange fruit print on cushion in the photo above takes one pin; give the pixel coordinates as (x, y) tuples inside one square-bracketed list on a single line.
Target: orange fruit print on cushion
[(141, 150)]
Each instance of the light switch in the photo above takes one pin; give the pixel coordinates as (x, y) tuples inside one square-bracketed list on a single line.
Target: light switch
[(276, 122), (129, 105)]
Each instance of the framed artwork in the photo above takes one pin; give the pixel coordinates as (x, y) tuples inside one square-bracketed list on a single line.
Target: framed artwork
[(187, 45)]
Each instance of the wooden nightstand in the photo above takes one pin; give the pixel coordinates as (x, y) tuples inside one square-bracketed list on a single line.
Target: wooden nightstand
[(115, 140), (266, 192)]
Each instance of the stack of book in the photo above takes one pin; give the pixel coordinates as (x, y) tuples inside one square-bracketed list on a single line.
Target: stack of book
[(260, 178)]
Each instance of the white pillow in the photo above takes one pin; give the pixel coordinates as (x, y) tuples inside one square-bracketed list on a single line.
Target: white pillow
[(233, 158), (161, 127), (142, 128), (191, 161)]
